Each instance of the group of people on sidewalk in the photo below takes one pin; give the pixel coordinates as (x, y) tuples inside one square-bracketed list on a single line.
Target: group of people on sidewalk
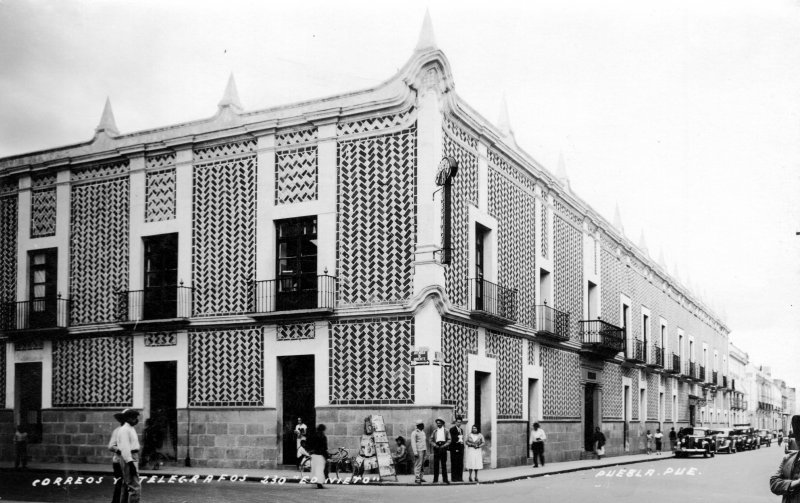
[(466, 451)]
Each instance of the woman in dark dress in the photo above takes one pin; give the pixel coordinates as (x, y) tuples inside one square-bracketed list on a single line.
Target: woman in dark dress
[(318, 448)]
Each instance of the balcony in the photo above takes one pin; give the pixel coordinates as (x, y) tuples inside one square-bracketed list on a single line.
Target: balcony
[(714, 378), (676, 365), (278, 297), (155, 305), (552, 323), (634, 352), (691, 370), (656, 358), (40, 315), (725, 382), (491, 302), (601, 339)]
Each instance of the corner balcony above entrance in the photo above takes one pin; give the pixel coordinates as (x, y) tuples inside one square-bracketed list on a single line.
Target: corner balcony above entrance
[(306, 295), (491, 302), (43, 315), (162, 305), (552, 323), (601, 339)]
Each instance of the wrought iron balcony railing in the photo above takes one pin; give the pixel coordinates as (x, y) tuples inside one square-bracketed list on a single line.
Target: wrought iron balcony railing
[(714, 378), (492, 301), (724, 381), (601, 338), (635, 351), (691, 370), (43, 313), (657, 357), (289, 294), (155, 303), (551, 322), (702, 374), (676, 365)]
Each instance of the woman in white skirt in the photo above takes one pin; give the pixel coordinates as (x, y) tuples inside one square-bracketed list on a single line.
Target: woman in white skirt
[(318, 448), (474, 454)]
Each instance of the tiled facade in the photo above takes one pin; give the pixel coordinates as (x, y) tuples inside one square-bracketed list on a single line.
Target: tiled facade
[(361, 167)]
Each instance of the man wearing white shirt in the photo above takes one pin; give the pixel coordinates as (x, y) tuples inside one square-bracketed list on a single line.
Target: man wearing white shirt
[(116, 460), (128, 443), (441, 441), (537, 444)]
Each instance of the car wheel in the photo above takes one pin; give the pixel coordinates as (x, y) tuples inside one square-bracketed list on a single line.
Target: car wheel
[(705, 454)]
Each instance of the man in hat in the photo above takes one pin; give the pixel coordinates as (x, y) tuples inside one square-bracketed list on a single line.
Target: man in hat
[(116, 460), (457, 450), (128, 443), (786, 481), (440, 439), (537, 444), (419, 446)]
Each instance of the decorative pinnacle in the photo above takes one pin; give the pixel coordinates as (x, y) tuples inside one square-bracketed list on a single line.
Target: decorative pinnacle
[(107, 123), (503, 122), (427, 40), (561, 170), (643, 243), (231, 96), (618, 219)]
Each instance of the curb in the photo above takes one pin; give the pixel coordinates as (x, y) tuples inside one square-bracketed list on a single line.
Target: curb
[(295, 479)]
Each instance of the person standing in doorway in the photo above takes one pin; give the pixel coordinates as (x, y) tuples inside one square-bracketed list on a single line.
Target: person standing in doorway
[(599, 443), (673, 438), (440, 439), (419, 447), (537, 445), (300, 431), (116, 460), (457, 450), (658, 438), (20, 448), (128, 443)]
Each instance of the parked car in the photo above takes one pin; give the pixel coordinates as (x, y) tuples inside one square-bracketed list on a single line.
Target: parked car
[(764, 437), (751, 439), (725, 440), (694, 441), (740, 439)]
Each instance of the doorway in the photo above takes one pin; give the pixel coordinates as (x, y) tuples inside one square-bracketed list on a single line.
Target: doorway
[(297, 390), (162, 421), (483, 411), (626, 414), (692, 414), (533, 409), (28, 398), (590, 419)]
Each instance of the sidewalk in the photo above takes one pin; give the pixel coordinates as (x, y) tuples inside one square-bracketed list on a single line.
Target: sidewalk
[(496, 475)]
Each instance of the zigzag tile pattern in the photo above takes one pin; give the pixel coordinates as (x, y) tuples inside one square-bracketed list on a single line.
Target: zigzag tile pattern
[(43, 212), (652, 396), (296, 175), (545, 230), (561, 390), (160, 161), (295, 331), (376, 217), (29, 345), (465, 192), (458, 132), (610, 276), (98, 248), (458, 341), (223, 235), (373, 123), (567, 212), (41, 181), (156, 339), (226, 368), (612, 391), (515, 210), (236, 148), (512, 171), (634, 375), (568, 280), (8, 186), (94, 372), (160, 198), (9, 216), (371, 361), (99, 171), (508, 351), (289, 138)]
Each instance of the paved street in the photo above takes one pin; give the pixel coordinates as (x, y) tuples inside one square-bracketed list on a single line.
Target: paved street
[(739, 477)]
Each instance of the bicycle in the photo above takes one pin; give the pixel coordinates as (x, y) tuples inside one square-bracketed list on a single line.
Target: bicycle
[(339, 461)]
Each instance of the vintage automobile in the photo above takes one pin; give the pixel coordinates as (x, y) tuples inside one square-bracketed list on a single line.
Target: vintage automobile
[(764, 437), (740, 439), (725, 440), (694, 441)]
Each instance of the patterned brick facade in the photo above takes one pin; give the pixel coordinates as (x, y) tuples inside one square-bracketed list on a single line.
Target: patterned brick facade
[(568, 280), (8, 247), (458, 341), (508, 351), (93, 372), (226, 368), (561, 392)]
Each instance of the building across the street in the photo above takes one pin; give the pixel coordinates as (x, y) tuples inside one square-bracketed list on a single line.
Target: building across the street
[(387, 251)]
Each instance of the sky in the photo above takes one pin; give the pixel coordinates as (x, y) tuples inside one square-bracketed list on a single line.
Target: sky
[(685, 114)]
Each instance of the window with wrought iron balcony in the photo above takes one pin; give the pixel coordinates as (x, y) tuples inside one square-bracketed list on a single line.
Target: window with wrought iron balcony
[(675, 368), (656, 359), (552, 323), (601, 339), (634, 351)]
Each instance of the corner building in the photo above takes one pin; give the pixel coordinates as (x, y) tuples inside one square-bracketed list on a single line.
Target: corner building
[(228, 275)]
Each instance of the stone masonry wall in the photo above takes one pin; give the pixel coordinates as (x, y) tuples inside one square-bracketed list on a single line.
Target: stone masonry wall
[(511, 438), (564, 441)]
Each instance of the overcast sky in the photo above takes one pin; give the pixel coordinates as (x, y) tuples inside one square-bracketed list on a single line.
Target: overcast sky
[(685, 113)]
